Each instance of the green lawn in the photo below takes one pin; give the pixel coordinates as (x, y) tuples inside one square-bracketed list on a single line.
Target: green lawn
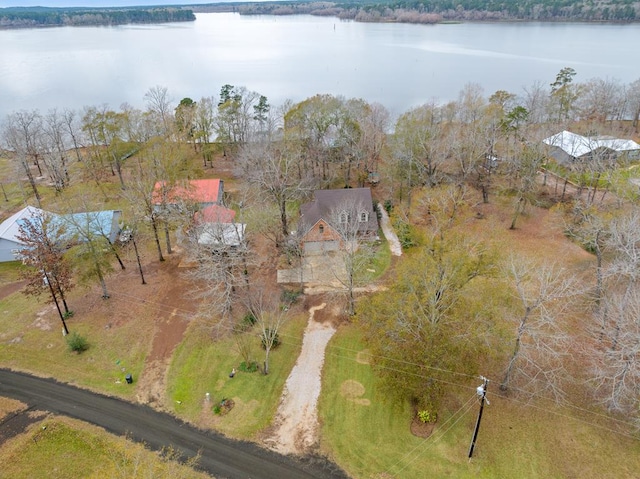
[(64, 448), (201, 365), (370, 436), (10, 272), (31, 340)]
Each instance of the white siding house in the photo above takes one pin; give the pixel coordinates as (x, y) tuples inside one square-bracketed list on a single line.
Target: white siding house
[(9, 231)]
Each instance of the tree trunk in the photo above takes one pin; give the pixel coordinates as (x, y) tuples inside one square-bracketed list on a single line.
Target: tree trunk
[(283, 218), (266, 361), (505, 381), (119, 171), (516, 213), (135, 248), (103, 284), (115, 252), (157, 238), (167, 238), (55, 300), (32, 182)]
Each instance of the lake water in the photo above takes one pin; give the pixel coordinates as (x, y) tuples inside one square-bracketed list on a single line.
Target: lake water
[(295, 57)]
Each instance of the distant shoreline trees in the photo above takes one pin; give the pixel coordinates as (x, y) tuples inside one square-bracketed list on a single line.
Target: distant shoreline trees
[(62, 17), (436, 11)]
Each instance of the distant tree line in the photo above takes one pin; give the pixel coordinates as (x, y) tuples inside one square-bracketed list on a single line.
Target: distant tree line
[(58, 17), (434, 11)]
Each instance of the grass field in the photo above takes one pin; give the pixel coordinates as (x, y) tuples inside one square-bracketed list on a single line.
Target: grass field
[(67, 448), (371, 437), (201, 365), (31, 340)]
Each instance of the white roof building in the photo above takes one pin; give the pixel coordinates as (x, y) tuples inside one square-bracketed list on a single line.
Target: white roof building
[(568, 147), (221, 234), (9, 231)]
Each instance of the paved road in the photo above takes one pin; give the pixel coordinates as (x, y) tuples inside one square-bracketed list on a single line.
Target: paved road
[(221, 457)]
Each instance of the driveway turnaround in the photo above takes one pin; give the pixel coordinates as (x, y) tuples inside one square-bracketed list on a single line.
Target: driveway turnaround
[(222, 457)]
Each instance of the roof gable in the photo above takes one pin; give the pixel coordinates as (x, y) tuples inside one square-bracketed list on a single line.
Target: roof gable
[(10, 228), (327, 203)]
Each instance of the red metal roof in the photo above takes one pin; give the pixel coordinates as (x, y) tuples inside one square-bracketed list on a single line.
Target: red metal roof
[(215, 214), (197, 191)]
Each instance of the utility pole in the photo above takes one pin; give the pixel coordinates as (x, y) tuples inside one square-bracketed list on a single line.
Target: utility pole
[(482, 392)]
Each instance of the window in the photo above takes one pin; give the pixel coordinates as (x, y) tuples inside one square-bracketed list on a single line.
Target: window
[(364, 217), (344, 217), (321, 229)]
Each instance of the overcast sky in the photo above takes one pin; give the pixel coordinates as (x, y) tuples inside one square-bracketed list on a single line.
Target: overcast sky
[(97, 3)]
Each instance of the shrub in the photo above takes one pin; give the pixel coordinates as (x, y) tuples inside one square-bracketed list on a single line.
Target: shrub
[(290, 296), (248, 367), (426, 416), (77, 343), (223, 407), (406, 233), (248, 321), (388, 206), (270, 336), (68, 314)]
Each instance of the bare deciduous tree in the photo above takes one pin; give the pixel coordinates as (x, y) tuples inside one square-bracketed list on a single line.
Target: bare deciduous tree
[(350, 219), (272, 168), (55, 146), (616, 362), (270, 316), (21, 134), (220, 254), (543, 294), (158, 103)]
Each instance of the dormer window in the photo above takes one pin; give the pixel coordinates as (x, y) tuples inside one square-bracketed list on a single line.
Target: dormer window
[(364, 217), (344, 217)]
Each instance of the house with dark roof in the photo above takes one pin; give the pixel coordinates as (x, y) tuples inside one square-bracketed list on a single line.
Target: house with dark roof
[(333, 215)]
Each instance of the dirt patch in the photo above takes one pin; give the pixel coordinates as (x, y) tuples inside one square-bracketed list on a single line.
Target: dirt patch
[(42, 322), (170, 325), (352, 391), (422, 429), (364, 356), (9, 289)]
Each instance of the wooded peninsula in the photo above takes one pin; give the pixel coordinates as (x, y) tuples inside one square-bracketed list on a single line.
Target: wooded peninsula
[(30, 17)]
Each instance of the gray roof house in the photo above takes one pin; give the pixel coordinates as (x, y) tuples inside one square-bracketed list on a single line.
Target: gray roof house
[(321, 219)]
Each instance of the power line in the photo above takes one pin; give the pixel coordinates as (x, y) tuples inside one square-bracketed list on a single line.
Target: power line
[(188, 314), (556, 413)]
